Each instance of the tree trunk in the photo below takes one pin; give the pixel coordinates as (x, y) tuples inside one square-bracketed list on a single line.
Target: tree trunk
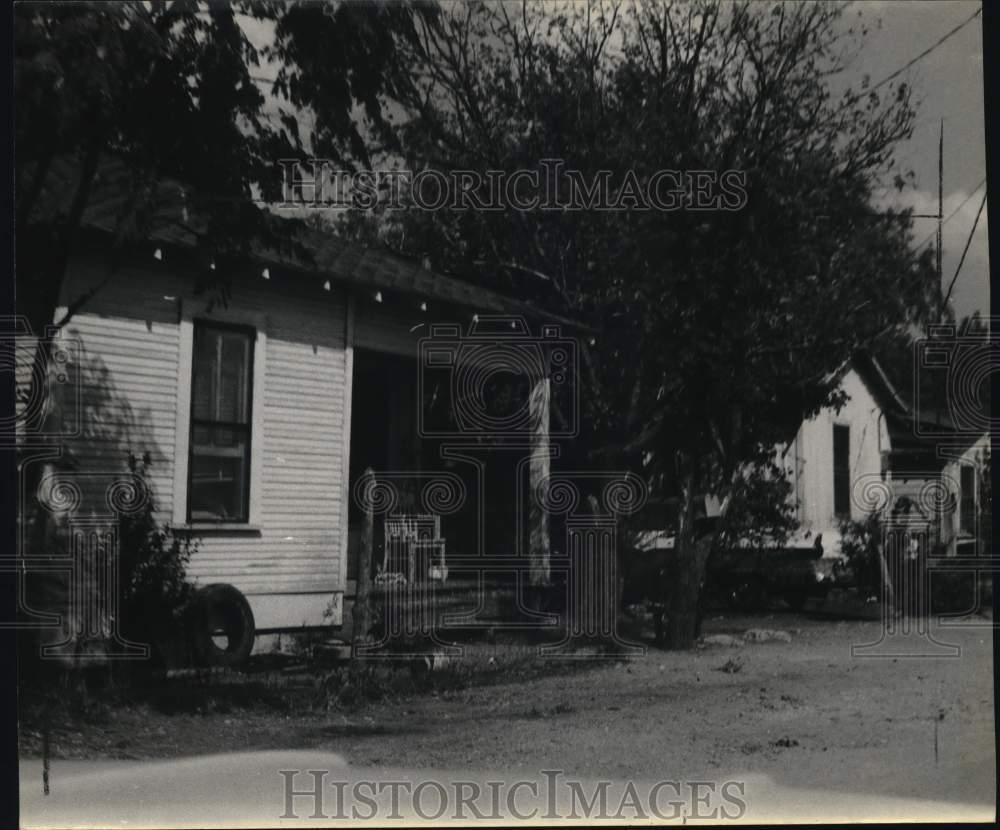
[(685, 592), (539, 568), (686, 576)]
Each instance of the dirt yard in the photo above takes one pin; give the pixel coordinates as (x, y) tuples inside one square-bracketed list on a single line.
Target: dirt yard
[(804, 711)]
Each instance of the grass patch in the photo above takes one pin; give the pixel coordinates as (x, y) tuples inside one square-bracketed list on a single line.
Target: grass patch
[(376, 680), (351, 686)]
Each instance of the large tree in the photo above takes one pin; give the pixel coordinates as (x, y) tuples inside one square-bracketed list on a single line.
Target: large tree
[(122, 97), (719, 330)]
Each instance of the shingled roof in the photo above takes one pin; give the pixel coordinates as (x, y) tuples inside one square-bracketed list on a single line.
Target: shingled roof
[(918, 441), (319, 253)]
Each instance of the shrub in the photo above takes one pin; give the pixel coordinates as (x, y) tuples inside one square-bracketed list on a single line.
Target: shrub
[(153, 569), (861, 544), (761, 513)]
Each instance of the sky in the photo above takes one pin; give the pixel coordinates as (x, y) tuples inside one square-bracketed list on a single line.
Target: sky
[(948, 84)]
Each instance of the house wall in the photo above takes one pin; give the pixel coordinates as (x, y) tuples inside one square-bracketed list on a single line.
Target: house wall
[(809, 459), (134, 341), (957, 539)]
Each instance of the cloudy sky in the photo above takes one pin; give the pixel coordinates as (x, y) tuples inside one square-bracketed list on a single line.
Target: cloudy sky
[(949, 84)]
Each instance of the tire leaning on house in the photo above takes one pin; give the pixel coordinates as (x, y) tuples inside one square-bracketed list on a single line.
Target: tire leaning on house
[(221, 626)]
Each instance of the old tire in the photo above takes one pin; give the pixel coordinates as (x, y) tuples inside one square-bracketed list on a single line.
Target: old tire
[(221, 626)]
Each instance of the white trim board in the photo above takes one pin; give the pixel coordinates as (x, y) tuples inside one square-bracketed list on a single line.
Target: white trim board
[(182, 435)]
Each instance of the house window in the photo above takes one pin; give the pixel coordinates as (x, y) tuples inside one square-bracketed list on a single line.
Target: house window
[(842, 471), (967, 502), (219, 466)]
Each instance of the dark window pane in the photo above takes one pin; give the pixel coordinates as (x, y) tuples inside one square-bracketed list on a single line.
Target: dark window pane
[(203, 390), (219, 467), (220, 428), (233, 395), (842, 470), (221, 388)]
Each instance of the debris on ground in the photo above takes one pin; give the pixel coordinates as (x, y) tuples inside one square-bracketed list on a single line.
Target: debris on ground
[(785, 743), (765, 635), (731, 666), (751, 635), (722, 640)]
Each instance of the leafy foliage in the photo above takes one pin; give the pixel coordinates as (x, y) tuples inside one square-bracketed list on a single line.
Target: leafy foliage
[(761, 512), (174, 92), (153, 568), (719, 330), (861, 544), (334, 64)]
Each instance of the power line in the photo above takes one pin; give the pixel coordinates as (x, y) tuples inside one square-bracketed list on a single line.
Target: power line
[(926, 51), (968, 242), (951, 215)]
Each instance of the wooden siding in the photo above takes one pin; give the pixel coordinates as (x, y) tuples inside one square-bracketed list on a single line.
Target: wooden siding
[(952, 532), (131, 364), (126, 340), (809, 458)]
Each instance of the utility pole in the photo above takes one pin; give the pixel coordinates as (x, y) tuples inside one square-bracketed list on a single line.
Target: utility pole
[(940, 216)]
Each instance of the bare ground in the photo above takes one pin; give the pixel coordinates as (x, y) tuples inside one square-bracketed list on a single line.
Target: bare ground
[(806, 713)]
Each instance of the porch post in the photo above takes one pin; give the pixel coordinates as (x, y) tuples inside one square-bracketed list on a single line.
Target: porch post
[(362, 603), (345, 453), (538, 473)]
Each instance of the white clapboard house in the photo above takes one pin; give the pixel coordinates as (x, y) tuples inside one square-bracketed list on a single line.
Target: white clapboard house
[(873, 454), (261, 413)]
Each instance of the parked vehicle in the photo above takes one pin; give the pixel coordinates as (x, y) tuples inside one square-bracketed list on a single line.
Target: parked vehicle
[(744, 578), (749, 578)]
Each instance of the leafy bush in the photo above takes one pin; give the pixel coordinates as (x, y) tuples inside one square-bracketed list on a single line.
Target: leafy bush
[(861, 544), (153, 569), (949, 591), (760, 512)]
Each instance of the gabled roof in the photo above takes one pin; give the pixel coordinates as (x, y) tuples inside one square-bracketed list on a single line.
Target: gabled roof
[(917, 441), (878, 383)]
